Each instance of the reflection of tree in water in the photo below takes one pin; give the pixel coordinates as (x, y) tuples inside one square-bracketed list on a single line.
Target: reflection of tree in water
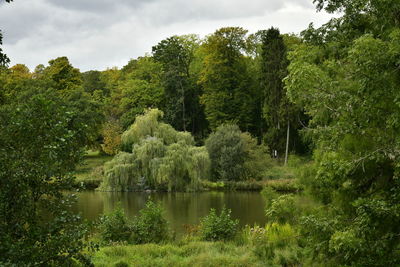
[(179, 208)]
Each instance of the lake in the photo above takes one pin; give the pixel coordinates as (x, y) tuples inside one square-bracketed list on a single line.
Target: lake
[(180, 208)]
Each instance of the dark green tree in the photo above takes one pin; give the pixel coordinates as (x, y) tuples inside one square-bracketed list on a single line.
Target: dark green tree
[(182, 106), (280, 115), (41, 141), (92, 83)]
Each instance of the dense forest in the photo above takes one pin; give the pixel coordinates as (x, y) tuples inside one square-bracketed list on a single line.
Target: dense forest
[(200, 112)]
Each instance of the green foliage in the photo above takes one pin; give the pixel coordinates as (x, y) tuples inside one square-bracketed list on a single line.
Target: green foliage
[(229, 94), (182, 107), (161, 158), (227, 154), (111, 132), (140, 87), (287, 208), (4, 60), (257, 160), (212, 254), (346, 78), (94, 84), (278, 112), (235, 155), (114, 227), (284, 185), (119, 173), (222, 227), (276, 244), (41, 143), (150, 226), (62, 75)]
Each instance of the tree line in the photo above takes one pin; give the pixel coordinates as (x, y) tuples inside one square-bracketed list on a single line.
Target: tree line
[(230, 76)]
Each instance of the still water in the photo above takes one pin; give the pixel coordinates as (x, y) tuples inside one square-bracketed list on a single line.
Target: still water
[(180, 208)]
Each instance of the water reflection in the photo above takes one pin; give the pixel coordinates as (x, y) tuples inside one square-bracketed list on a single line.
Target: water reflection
[(180, 208)]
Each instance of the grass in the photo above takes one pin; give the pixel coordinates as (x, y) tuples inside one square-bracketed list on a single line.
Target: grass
[(90, 172), (194, 253)]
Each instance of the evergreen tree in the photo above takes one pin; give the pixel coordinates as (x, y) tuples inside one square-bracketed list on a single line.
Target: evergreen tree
[(281, 116)]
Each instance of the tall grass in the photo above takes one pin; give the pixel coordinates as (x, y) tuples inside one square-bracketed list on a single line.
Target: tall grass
[(191, 254)]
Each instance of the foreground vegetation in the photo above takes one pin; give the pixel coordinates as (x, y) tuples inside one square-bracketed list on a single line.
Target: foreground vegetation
[(196, 253), (146, 240)]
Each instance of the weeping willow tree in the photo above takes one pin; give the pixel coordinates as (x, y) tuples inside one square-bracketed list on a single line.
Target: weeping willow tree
[(156, 156)]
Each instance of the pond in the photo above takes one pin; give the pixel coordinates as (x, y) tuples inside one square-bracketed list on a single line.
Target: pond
[(180, 208)]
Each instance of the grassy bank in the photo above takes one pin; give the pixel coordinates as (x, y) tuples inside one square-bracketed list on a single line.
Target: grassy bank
[(194, 253), (279, 185), (280, 178), (89, 173)]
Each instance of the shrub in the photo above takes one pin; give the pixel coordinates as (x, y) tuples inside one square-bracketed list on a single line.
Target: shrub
[(227, 154), (150, 226), (222, 227), (257, 158), (114, 227), (276, 244), (289, 208), (282, 209), (235, 155)]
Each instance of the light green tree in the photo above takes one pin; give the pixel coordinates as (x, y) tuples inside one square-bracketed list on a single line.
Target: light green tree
[(156, 157)]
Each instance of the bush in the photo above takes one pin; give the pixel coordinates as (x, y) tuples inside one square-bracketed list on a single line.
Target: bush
[(235, 156), (114, 227), (227, 153), (222, 227), (284, 208), (150, 226), (276, 244)]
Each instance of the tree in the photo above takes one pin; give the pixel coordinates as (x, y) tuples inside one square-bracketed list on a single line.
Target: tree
[(140, 88), (228, 94), (234, 155), (156, 156), (281, 116), (62, 75), (92, 82), (182, 107), (4, 60), (351, 94), (111, 132), (41, 141)]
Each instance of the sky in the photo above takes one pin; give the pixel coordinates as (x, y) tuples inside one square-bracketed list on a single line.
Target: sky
[(100, 34)]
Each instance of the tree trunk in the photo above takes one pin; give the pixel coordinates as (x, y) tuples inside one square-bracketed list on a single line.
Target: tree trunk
[(287, 143)]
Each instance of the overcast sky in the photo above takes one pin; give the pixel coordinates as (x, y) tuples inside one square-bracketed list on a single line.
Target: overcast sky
[(97, 34)]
